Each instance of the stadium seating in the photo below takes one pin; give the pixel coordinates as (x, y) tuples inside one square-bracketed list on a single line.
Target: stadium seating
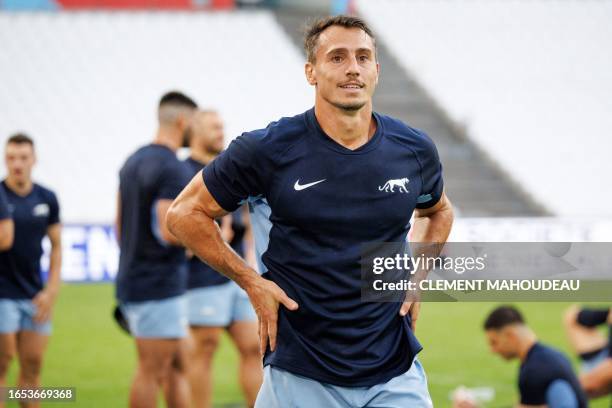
[(533, 92), (85, 86)]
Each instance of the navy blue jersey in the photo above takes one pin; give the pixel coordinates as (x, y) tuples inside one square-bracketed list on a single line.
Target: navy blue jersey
[(149, 268), (20, 276), (4, 205), (326, 201), (543, 367), (200, 274)]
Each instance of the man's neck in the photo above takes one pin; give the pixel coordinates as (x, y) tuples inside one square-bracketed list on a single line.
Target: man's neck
[(351, 129), (202, 156), (528, 340), (169, 138), (20, 188)]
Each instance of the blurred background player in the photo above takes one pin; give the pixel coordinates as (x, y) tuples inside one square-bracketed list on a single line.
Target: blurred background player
[(215, 302), (581, 327), (152, 276), (592, 347), (7, 227), (546, 376), (26, 302)]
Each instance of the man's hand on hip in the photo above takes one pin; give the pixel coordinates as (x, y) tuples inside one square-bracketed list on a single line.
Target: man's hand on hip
[(266, 296)]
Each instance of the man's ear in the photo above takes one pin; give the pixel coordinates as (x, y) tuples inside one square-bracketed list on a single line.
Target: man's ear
[(309, 70), (512, 334), (183, 120)]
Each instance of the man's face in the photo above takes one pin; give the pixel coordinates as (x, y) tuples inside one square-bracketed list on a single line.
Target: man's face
[(20, 159), (208, 128), (345, 71), (503, 342)]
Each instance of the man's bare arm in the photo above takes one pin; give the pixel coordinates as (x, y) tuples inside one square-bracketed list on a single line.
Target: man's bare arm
[(45, 299), (7, 232), (54, 232), (191, 219), (598, 382), (431, 226)]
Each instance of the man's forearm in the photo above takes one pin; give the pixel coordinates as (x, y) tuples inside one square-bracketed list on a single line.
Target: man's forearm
[(201, 234), (6, 234), (55, 267), (429, 235), (598, 382), (433, 228)]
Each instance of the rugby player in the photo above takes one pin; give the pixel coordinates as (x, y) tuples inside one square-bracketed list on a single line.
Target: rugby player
[(215, 302), (546, 377), (335, 177), (26, 302), (152, 276)]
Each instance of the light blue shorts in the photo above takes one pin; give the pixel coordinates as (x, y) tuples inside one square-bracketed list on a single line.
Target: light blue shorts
[(18, 315), (282, 389), (219, 305), (161, 319)]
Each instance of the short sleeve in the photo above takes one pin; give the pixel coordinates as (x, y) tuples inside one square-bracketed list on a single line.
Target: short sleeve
[(431, 174), (237, 173), (172, 180), (4, 208), (560, 394), (54, 209)]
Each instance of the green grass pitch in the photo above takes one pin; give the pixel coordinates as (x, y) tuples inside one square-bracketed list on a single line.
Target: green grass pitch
[(89, 352)]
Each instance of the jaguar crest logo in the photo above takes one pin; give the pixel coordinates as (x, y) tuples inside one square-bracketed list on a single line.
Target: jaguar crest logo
[(389, 186)]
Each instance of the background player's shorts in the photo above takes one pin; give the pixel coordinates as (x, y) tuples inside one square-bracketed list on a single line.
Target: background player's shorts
[(18, 315), (281, 388), (162, 319), (219, 305)]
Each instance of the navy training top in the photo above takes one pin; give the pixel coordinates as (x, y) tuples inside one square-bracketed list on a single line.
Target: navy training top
[(543, 367), (326, 201), (149, 267), (32, 214)]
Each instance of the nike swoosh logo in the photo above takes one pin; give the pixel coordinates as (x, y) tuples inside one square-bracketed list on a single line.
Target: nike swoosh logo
[(297, 186)]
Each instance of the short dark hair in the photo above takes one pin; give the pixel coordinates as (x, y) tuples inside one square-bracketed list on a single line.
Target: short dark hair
[(20, 138), (503, 316), (177, 98), (314, 30)]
